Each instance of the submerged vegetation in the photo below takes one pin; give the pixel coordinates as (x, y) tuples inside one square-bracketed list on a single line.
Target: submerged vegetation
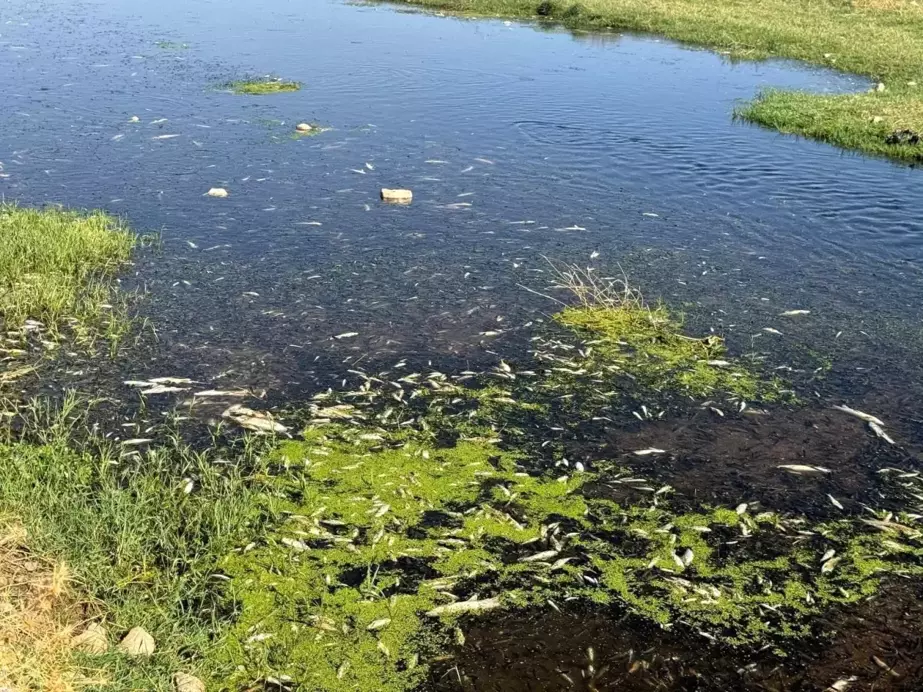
[(57, 269), (263, 86), (354, 555), (879, 40)]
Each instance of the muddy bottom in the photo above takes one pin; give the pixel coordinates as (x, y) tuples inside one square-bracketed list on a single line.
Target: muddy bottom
[(740, 458), (872, 646)]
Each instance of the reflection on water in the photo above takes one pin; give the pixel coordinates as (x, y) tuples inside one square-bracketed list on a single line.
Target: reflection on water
[(517, 144)]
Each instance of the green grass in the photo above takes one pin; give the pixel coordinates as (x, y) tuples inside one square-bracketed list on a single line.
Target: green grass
[(880, 39), (143, 551), (57, 267), (262, 87)]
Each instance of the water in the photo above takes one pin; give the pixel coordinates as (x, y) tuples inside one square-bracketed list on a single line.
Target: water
[(591, 133)]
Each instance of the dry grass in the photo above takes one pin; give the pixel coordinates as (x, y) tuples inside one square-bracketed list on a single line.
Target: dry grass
[(37, 619)]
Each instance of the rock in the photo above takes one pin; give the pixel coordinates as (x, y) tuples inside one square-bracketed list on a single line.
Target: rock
[(93, 640), (137, 643), (217, 192), (183, 682), (135, 119), (304, 127), (396, 196)]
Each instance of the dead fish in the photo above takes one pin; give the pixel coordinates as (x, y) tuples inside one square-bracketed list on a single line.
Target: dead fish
[(792, 313), (538, 557), (380, 624), (253, 420), (828, 566), (464, 607), (842, 684), (834, 501), (868, 418), (885, 667), (164, 136), (487, 161), (687, 557), (651, 214), (647, 452), (879, 431), (829, 554), (770, 330), (346, 335), (223, 392), (801, 468)]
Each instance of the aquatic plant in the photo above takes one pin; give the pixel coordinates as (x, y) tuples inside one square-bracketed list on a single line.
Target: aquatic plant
[(262, 87)]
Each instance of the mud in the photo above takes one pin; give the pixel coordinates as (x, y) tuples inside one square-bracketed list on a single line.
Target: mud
[(588, 651), (737, 458)]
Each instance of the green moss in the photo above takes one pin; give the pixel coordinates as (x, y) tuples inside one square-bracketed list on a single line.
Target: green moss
[(262, 87)]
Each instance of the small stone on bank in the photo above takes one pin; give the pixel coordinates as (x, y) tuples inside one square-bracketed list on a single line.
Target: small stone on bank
[(183, 682), (217, 192), (396, 196), (93, 640), (137, 643), (304, 127)]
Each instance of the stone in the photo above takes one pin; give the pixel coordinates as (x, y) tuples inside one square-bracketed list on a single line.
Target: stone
[(217, 192), (93, 640), (396, 196), (304, 127), (137, 643), (183, 682)]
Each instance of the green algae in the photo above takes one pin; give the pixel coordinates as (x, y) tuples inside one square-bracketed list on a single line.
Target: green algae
[(385, 525), (410, 494), (262, 87), (647, 345)]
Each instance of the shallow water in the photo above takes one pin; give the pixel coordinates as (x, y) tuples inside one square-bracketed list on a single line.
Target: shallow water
[(539, 131)]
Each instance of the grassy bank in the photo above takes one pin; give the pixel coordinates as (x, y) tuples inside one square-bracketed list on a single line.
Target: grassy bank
[(57, 268), (880, 39)]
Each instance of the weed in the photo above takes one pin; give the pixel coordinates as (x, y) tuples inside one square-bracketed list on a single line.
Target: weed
[(262, 87)]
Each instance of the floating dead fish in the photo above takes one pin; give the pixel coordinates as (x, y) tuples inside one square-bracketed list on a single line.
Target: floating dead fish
[(136, 441), (828, 566), (346, 335), (842, 684), (295, 544), (687, 557), (380, 624), (829, 554), (487, 161), (222, 393), (718, 363), (647, 452), (464, 607), (164, 136), (879, 431), (868, 418), (834, 501), (802, 468), (770, 330), (253, 420), (792, 313)]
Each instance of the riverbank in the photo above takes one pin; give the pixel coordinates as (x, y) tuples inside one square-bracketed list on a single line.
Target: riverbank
[(879, 40)]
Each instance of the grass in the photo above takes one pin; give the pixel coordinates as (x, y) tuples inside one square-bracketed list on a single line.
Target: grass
[(141, 543), (879, 39), (57, 268), (262, 87)]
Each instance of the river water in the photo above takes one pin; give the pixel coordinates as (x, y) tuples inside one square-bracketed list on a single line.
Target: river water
[(519, 143)]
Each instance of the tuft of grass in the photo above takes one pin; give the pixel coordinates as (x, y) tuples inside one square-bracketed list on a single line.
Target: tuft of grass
[(57, 267), (262, 87), (880, 39)]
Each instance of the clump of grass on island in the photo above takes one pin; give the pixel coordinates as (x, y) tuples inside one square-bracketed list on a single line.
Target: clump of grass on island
[(57, 267), (882, 40), (263, 87)]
